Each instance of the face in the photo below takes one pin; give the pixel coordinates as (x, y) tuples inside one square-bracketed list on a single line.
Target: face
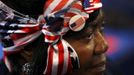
[(90, 46)]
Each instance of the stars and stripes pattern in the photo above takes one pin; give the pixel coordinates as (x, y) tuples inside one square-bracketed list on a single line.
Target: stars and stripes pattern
[(62, 58), (59, 59), (91, 5)]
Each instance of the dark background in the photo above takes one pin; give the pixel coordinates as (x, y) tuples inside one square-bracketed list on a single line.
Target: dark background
[(119, 28)]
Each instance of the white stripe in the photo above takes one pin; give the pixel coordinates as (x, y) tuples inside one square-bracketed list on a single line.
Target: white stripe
[(79, 2), (8, 65), (27, 39), (90, 11), (85, 14), (66, 53), (78, 11), (51, 41), (63, 31), (55, 60), (19, 25), (16, 31), (46, 32), (74, 10), (95, 5), (12, 48), (47, 60), (91, 0), (52, 7), (49, 34), (73, 54), (24, 25), (3, 23)]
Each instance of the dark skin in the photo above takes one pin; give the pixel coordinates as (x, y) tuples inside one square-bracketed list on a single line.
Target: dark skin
[(90, 46), (89, 43)]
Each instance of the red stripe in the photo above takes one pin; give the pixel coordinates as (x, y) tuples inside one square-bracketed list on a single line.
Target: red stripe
[(79, 22), (50, 61), (97, 1), (77, 6), (28, 30), (31, 29), (10, 65), (60, 5), (66, 24), (6, 53), (17, 36), (53, 38), (61, 58), (70, 14), (47, 3)]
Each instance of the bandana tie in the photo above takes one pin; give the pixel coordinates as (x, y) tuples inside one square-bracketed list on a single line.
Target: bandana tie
[(16, 32)]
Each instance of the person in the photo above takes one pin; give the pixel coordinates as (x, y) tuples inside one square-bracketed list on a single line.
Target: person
[(66, 40)]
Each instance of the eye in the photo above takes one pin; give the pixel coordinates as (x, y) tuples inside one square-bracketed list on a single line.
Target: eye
[(89, 36)]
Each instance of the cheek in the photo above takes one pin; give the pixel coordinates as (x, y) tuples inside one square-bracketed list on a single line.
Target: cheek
[(85, 52)]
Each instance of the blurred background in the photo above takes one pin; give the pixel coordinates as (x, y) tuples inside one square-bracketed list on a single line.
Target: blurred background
[(119, 26), (119, 32)]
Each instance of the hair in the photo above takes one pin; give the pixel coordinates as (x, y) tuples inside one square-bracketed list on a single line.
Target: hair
[(40, 56), (38, 61)]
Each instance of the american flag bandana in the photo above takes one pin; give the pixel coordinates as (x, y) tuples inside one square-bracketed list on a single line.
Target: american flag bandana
[(92, 5), (62, 58)]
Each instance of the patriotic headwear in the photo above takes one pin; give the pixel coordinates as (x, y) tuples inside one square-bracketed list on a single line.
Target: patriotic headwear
[(59, 17)]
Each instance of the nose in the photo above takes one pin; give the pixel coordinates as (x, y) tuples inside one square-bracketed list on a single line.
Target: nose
[(101, 44)]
